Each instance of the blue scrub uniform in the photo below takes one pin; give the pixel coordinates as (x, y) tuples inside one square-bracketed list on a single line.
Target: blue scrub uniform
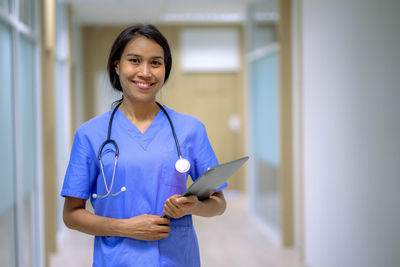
[(146, 167)]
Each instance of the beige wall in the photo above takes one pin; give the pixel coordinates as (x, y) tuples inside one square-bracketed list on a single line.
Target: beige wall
[(286, 145), (211, 97), (48, 117)]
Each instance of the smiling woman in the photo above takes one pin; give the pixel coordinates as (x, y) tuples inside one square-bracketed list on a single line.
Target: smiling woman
[(141, 70), (127, 223)]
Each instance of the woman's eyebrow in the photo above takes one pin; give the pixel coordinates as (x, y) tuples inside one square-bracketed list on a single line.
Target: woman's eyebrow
[(132, 55), (136, 55)]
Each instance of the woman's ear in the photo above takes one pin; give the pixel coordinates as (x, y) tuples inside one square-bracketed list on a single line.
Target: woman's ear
[(116, 65)]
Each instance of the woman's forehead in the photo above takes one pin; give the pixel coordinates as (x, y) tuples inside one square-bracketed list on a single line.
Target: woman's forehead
[(144, 46)]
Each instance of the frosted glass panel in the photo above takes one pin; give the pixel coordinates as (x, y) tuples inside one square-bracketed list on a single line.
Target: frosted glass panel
[(5, 5), (27, 105), (265, 138), (205, 50), (62, 129), (62, 103), (26, 12), (7, 188), (27, 112), (262, 31), (265, 100)]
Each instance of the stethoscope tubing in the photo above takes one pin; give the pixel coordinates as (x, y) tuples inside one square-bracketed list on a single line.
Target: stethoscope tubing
[(172, 128), (109, 140)]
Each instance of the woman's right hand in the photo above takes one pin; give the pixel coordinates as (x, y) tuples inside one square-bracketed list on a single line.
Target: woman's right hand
[(146, 227), (143, 227)]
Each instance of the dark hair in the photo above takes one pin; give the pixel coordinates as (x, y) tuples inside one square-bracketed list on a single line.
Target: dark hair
[(124, 38)]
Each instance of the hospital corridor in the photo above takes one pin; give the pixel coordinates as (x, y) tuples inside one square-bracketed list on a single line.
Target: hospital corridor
[(112, 109)]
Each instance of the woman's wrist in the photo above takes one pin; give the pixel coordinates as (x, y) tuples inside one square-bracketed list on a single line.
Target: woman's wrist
[(213, 206), (118, 227)]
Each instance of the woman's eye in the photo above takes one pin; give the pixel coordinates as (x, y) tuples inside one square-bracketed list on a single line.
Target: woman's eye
[(156, 63), (134, 60)]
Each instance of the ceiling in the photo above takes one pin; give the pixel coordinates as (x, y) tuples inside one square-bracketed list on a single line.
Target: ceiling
[(106, 12)]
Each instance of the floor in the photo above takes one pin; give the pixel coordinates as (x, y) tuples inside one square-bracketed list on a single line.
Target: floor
[(231, 240)]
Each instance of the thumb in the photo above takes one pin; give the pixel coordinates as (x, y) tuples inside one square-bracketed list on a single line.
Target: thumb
[(188, 199)]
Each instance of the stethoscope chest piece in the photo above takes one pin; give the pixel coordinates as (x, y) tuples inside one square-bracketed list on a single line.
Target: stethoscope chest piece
[(182, 165)]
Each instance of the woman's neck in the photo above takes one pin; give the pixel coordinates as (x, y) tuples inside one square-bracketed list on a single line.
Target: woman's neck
[(139, 111)]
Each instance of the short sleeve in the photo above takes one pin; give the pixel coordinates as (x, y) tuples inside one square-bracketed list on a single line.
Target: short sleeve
[(81, 171), (203, 155)]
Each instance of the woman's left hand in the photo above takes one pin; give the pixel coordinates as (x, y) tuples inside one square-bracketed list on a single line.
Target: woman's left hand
[(178, 206)]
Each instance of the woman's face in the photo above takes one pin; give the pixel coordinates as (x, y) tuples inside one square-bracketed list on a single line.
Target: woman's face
[(141, 69)]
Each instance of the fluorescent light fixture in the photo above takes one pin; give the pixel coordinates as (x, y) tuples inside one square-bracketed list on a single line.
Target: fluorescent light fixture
[(203, 17)]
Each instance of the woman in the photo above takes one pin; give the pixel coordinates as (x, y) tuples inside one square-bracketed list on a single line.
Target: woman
[(130, 192)]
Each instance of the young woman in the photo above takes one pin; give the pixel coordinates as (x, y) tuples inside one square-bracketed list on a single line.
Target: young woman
[(133, 162)]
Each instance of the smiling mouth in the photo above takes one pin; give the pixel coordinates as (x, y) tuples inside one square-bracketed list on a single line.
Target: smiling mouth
[(143, 85)]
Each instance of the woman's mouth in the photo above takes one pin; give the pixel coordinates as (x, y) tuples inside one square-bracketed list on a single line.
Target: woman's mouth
[(143, 85)]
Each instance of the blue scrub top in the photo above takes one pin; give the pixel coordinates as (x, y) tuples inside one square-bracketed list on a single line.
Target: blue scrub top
[(146, 167)]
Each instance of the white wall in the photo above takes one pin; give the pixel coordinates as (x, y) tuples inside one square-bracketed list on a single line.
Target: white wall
[(351, 122)]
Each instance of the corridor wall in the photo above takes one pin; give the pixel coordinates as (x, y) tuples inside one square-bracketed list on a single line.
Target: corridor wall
[(349, 82)]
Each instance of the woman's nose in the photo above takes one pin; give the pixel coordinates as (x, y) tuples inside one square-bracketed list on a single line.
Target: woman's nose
[(145, 70)]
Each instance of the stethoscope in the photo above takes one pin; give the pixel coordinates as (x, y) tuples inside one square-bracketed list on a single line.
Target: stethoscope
[(182, 165)]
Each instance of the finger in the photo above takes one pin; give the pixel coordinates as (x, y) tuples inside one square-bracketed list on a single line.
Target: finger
[(185, 200), (163, 235), (174, 197), (164, 221), (181, 200), (178, 212), (189, 199), (164, 229), (167, 212), (171, 212), (173, 201), (161, 220), (172, 206)]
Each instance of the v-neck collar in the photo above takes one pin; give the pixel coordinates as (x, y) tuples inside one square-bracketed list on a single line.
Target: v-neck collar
[(143, 139)]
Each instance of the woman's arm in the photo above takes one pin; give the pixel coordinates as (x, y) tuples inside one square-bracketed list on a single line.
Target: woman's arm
[(143, 227), (178, 206)]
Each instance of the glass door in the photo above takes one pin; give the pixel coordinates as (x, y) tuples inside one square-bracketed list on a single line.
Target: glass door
[(26, 106), (7, 189), (263, 66), (20, 243)]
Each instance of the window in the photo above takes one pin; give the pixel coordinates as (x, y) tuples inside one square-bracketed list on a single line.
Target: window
[(27, 125), (5, 5), (26, 12), (7, 190), (264, 103), (20, 243)]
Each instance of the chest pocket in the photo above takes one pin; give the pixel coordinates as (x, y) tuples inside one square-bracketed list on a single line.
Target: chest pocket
[(170, 176)]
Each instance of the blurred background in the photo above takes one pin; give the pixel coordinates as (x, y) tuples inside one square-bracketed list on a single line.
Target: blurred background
[(309, 89)]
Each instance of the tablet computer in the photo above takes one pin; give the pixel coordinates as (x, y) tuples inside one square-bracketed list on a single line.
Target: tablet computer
[(213, 178)]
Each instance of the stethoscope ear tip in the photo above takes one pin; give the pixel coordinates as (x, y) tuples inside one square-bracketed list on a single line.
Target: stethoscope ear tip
[(123, 189), (94, 195)]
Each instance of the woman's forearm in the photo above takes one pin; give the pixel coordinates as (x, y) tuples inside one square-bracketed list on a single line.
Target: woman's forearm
[(78, 218), (213, 206), (143, 227)]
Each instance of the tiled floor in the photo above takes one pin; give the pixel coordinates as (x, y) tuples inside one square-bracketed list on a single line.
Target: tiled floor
[(230, 240)]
